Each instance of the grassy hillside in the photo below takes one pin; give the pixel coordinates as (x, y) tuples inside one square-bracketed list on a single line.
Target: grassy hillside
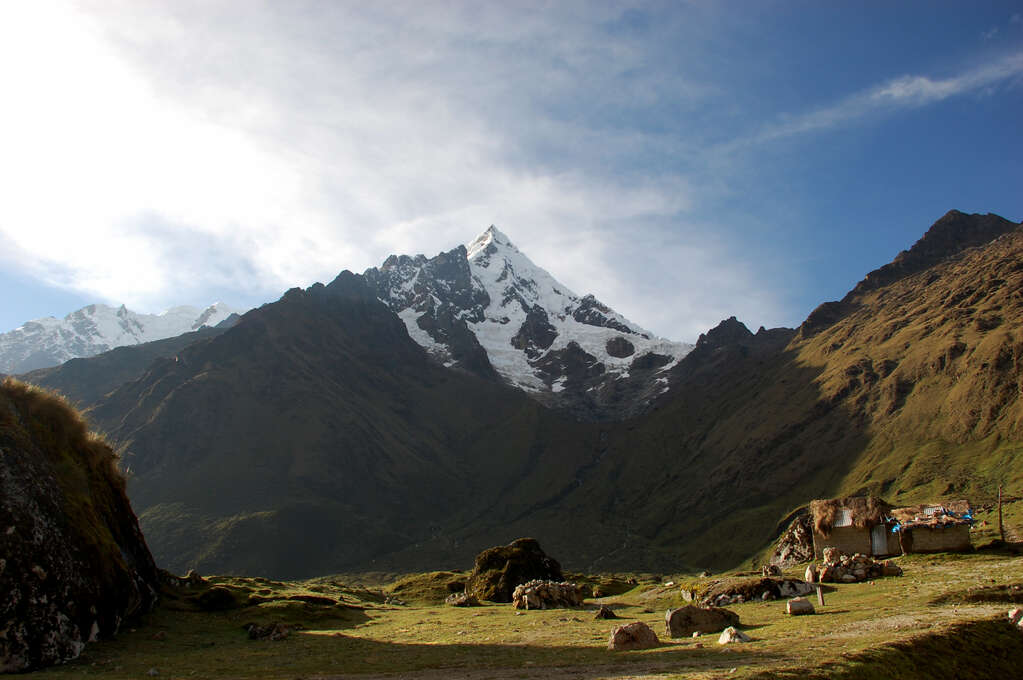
[(911, 393), (942, 619), (316, 437)]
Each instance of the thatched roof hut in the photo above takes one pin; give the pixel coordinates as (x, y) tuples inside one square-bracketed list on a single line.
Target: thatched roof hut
[(862, 512)]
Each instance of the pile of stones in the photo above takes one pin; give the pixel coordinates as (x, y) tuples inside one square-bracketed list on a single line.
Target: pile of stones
[(538, 594), (841, 568)]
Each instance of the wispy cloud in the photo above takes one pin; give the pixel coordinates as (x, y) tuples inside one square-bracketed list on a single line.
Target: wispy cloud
[(905, 92)]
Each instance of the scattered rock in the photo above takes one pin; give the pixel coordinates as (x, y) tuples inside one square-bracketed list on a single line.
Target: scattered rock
[(841, 568), (499, 570), (798, 606), (605, 613), (687, 620), (770, 570), (732, 634), (462, 600), (270, 631), (547, 595), (795, 545), (811, 574), (636, 635)]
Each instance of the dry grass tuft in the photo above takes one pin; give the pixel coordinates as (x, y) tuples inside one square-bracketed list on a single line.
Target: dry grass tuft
[(60, 425)]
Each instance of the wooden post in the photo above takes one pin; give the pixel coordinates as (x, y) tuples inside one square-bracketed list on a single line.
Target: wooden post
[(820, 595), (1001, 529)]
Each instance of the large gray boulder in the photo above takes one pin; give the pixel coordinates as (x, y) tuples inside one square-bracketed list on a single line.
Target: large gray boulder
[(636, 635), (74, 565), (685, 621)]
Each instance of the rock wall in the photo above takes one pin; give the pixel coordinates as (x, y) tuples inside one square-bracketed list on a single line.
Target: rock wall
[(74, 564)]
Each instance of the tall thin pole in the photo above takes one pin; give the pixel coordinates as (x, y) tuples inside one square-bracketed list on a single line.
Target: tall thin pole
[(1001, 528)]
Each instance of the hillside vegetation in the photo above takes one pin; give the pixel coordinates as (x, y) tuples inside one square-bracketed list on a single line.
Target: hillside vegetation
[(316, 437)]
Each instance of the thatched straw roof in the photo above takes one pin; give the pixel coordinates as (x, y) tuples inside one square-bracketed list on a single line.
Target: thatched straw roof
[(866, 511)]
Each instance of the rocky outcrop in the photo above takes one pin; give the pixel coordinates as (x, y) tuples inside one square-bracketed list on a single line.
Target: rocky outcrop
[(499, 570), (732, 591), (547, 595), (636, 635), (619, 347), (75, 565), (685, 621), (795, 545), (841, 568)]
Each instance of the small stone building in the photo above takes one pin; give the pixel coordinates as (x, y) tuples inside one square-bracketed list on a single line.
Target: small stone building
[(869, 525), (941, 527), (855, 524)]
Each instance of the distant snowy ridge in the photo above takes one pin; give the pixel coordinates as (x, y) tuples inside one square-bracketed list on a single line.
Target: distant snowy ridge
[(489, 297), (94, 329)]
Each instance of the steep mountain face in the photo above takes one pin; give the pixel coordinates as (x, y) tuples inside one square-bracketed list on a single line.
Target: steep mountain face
[(94, 329), (315, 436), (488, 309)]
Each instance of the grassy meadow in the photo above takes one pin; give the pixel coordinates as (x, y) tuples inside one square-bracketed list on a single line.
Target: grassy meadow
[(939, 618)]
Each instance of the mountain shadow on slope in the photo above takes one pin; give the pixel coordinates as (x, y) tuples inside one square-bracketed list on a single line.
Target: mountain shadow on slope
[(315, 437)]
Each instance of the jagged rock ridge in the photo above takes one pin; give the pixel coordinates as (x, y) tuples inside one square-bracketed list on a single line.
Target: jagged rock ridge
[(487, 308)]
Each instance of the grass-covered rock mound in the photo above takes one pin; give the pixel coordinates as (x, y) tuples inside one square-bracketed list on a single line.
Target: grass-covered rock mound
[(498, 570), (74, 564)]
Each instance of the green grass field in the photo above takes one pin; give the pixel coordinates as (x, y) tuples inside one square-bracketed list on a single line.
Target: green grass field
[(864, 630)]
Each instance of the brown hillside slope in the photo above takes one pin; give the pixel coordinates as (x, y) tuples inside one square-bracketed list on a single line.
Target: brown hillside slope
[(911, 392)]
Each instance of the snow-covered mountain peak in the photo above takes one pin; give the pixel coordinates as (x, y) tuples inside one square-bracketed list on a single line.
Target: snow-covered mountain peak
[(490, 299), (491, 237), (94, 329)]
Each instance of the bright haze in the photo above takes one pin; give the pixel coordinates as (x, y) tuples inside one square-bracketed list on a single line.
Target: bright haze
[(684, 162)]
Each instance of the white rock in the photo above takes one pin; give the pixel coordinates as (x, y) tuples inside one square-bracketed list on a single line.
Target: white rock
[(798, 606), (732, 634)]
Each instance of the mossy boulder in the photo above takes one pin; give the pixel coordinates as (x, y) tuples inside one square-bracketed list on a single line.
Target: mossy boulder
[(74, 565), (429, 588), (499, 570)]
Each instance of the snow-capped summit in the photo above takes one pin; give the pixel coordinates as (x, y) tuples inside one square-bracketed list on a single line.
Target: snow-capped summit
[(94, 329), (489, 301)]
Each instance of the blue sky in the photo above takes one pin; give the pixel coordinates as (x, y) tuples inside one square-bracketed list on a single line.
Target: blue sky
[(684, 162)]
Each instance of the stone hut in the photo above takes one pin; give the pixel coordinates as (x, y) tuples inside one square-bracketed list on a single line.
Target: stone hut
[(943, 527), (855, 524)]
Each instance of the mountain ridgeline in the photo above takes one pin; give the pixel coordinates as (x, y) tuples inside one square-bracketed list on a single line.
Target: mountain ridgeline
[(409, 417)]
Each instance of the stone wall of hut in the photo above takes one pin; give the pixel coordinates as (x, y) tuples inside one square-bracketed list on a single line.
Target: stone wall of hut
[(948, 539), (849, 540)]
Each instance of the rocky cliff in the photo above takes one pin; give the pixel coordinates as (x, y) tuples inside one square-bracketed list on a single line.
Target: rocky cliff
[(74, 565)]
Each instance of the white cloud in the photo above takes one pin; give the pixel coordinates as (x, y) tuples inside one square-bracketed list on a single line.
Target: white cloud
[(905, 92), (153, 149)]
